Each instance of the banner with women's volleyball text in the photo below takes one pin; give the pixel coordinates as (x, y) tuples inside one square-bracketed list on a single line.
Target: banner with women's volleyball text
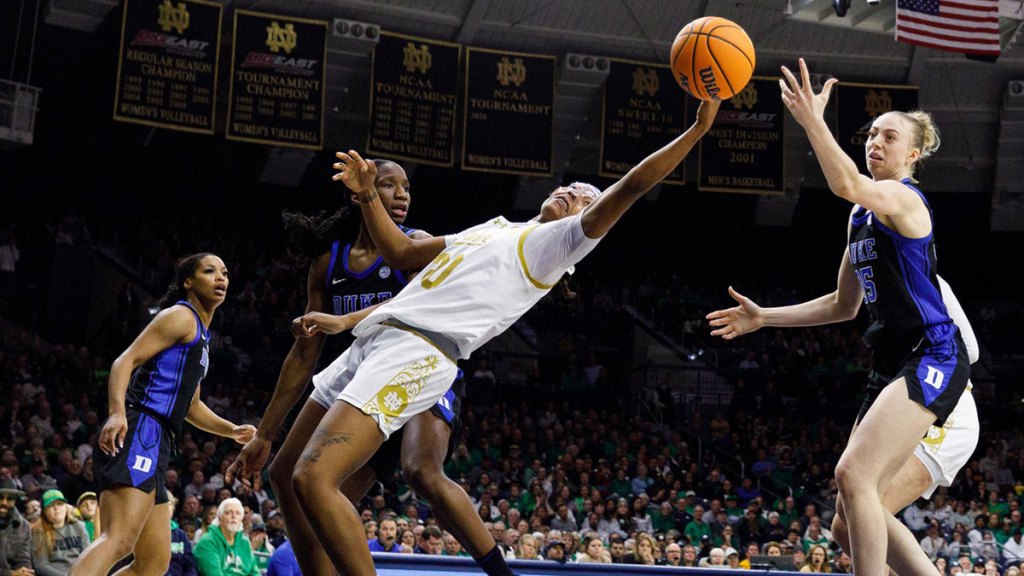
[(167, 69), (509, 112), (743, 151), (413, 94), (644, 108), (277, 80), (857, 106)]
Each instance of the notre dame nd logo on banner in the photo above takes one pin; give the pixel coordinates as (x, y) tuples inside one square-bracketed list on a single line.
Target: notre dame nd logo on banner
[(643, 110), (167, 69), (414, 88), (857, 106), (277, 80), (508, 112)]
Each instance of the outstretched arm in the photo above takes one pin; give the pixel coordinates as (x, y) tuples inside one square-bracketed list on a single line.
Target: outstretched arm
[(399, 250), (296, 372), (600, 216), (838, 306), (200, 416), (889, 197)]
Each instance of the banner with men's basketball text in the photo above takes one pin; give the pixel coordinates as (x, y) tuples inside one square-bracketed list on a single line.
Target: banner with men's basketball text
[(167, 68), (509, 112), (857, 106), (644, 109), (743, 151), (413, 94), (277, 80)]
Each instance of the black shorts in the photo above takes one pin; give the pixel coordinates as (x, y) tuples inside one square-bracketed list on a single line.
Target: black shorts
[(936, 377), (142, 463), (387, 458)]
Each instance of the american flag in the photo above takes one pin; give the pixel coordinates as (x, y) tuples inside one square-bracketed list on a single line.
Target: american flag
[(966, 26)]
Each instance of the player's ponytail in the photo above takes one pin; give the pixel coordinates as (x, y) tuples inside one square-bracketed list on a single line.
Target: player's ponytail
[(926, 134), (183, 270)]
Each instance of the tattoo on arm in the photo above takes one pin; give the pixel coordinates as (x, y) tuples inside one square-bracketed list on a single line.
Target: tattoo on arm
[(370, 197), (322, 441)]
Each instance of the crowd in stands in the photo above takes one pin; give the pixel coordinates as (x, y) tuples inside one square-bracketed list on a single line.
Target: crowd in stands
[(558, 467)]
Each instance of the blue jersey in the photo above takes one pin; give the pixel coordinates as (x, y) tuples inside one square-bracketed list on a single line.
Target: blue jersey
[(901, 288), (165, 384), (352, 291)]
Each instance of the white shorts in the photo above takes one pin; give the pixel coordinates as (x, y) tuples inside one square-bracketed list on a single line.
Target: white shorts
[(945, 450), (389, 373)]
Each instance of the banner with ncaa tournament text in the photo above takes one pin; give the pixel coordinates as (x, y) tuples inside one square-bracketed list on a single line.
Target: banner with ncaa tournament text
[(644, 109), (413, 94), (277, 80), (167, 69), (509, 112)]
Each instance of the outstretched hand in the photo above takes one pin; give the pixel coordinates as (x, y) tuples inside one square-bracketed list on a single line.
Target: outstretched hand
[(357, 174), (317, 323), (738, 320), (803, 103), (706, 113)]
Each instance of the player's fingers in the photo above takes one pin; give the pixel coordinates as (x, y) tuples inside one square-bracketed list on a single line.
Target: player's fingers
[(805, 75), (792, 83), (827, 89)]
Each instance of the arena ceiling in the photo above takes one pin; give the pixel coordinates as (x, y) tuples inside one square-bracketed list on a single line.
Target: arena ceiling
[(982, 121)]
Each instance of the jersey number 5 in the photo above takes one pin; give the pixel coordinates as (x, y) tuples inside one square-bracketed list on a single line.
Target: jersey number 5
[(439, 269), (865, 275)]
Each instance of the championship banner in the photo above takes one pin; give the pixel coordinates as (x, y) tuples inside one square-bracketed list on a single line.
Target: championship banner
[(414, 89), (277, 80), (167, 68), (508, 119), (644, 109), (743, 151), (857, 107)]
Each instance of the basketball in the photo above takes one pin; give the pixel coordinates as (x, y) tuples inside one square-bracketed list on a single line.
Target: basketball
[(712, 58)]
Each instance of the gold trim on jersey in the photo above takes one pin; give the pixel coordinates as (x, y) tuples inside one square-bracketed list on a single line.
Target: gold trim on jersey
[(522, 260)]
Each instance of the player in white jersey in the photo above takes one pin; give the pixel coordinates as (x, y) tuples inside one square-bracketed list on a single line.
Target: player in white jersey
[(477, 284), (941, 454)]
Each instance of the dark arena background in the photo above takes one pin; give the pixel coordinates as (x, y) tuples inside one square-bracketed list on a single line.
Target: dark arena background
[(617, 394)]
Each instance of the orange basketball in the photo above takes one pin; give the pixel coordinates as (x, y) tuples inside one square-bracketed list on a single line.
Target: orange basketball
[(712, 58)]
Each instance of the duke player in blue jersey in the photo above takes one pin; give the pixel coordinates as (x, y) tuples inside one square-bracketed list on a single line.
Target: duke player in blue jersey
[(344, 284), (890, 267), (153, 389)]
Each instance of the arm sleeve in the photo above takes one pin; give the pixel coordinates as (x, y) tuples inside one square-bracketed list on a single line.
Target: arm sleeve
[(553, 248), (956, 312)]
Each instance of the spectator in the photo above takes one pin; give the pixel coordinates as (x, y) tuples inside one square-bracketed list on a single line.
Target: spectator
[(564, 520), (58, 539), (15, 535), (37, 480), (817, 560), (88, 508), (644, 553), (617, 548), (262, 549), (1013, 550), (933, 544), (527, 548), (224, 550), (555, 551), (673, 555), (430, 541), (283, 562), (593, 551), (387, 534), (183, 562)]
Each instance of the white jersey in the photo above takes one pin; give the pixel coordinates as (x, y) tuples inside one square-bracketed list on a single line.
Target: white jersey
[(486, 279)]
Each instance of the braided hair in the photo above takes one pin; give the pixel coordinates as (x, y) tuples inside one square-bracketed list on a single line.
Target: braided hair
[(183, 270)]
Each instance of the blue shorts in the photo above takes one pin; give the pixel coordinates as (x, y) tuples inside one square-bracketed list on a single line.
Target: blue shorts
[(142, 463)]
